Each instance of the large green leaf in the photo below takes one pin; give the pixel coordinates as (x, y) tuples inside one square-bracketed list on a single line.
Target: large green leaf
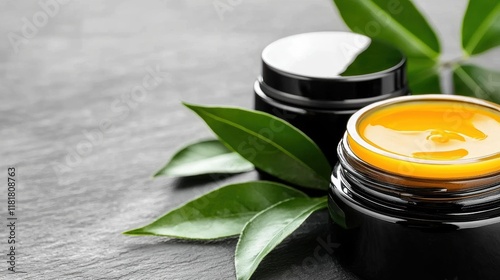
[(397, 22), (423, 76), (481, 26), (268, 228), (270, 143), (205, 157), (220, 213), (471, 80)]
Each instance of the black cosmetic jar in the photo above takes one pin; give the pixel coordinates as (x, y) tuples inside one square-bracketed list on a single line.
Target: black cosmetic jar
[(390, 224), (316, 81)]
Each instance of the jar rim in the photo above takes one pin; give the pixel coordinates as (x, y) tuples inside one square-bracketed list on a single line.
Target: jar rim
[(451, 199), (291, 73), (332, 69), (357, 139)]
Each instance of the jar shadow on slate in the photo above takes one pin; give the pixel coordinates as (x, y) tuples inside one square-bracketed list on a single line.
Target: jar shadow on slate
[(316, 81)]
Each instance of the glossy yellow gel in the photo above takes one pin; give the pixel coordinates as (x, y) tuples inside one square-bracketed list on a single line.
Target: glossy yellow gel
[(435, 137)]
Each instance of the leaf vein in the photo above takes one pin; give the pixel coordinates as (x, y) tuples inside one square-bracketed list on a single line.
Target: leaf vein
[(468, 80), (263, 253), (482, 29), (371, 7), (265, 140)]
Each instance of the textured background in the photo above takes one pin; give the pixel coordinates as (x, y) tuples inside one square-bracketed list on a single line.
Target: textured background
[(76, 72)]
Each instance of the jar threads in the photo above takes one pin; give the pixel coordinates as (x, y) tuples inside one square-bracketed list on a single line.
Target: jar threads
[(393, 225)]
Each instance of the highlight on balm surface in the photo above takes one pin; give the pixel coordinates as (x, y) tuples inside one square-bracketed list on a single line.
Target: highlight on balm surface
[(434, 131), (429, 136)]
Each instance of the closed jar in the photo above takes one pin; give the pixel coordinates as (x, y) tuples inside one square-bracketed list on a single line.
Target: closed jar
[(316, 81)]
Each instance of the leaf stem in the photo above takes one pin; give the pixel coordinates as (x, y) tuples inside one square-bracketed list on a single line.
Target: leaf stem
[(451, 64)]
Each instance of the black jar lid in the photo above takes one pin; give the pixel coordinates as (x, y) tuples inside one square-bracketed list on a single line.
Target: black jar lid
[(332, 70)]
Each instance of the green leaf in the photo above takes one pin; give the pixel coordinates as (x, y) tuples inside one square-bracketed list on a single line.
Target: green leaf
[(481, 26), (423, 76), (270, 143), (397, 22), (471, 80), (220, 213), (268, 228), (205, 157), (376, 57)]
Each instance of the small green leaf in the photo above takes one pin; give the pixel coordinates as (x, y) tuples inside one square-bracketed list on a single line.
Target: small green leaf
[(205, 157), (471, 80), (481, 26), (423, 76), (268, 229), (220, 213), (397, 22), (270, 143)]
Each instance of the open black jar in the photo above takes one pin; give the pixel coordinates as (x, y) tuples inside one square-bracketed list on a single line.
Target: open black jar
[(316, 81), (428, 207)]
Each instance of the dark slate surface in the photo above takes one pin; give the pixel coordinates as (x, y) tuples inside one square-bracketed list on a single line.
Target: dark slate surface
[(76, 75)]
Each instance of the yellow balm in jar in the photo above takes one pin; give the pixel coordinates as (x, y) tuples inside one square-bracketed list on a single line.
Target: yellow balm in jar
[(416, 193), (441, 137)]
